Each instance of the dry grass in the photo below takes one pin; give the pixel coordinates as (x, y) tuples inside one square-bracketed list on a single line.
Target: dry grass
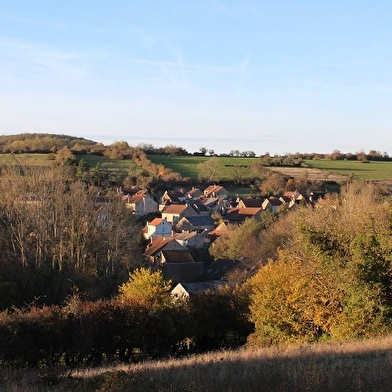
[(350, 366), (312, 174)]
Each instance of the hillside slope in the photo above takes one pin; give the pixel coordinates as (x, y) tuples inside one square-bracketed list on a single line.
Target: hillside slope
[(350, 366), (40, 142)]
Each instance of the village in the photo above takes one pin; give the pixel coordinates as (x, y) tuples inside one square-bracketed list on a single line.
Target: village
[(186, 223)]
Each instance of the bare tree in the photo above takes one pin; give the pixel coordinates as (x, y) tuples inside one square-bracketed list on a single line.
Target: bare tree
[(53, 225), (209, 170)]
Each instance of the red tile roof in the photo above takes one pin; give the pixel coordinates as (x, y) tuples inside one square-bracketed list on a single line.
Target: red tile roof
[(174, 208), (157, 244), (178, 256), (155, 222)]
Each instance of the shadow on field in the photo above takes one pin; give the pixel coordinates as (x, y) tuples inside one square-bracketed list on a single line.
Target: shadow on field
[(304, 368)]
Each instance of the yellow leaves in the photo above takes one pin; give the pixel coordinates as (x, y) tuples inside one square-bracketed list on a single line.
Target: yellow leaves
[(146, 288), (291, 300)]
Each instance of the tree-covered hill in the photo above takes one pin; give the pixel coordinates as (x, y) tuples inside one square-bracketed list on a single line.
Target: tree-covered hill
[(44, 142)]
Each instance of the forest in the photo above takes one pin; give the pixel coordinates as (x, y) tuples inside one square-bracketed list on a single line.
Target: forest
[(74, 290)]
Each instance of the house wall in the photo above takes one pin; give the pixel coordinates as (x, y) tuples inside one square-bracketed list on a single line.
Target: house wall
[(146, 206), (163, 229)]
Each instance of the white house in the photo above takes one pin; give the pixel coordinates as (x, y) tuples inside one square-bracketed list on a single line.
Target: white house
[(141, 203), (183, 290), (158, 227)]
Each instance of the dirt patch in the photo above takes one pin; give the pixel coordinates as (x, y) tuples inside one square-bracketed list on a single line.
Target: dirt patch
[(313, 175)]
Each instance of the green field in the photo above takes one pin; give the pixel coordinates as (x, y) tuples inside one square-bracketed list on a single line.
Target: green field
[(373, 170), (127, 165), (35, 160), (229, 167), (232, 167), (187, 166)]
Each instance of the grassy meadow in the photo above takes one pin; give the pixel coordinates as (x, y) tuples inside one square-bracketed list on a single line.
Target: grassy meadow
[(345, 366), (233, 167), (372, 170), (114, 165), (230, 167), (35, 160), (187, 166)]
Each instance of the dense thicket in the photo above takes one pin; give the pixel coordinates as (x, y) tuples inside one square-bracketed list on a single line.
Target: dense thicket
[(87, 333)]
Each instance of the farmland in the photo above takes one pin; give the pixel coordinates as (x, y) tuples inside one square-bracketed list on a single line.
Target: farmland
[(316, 170), (187, 166), (228, 168), (372, 170)]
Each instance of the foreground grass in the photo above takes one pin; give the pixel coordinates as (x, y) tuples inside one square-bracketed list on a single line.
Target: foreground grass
[(350, 366)]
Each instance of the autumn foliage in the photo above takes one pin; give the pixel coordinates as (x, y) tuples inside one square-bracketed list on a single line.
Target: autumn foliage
[(331, 278)]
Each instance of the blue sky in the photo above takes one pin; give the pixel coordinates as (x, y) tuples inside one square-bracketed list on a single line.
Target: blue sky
[(265, 76)]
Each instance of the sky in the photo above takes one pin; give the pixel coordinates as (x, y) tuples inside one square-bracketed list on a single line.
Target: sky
[(262, 76)]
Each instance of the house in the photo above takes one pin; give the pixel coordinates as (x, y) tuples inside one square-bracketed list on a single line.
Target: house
[(215, 205), (238, 214), (249, 202), (158, 227), (178, 265), (193, 239), (199, 207), (287, 200), (174, 197), (223, 228), (174, 260), (176, 256), (216, 191), (183, 290), (153, 250), (195, 223), (194, 193), (141, 203), (294, 195), (174, 212), (272, 204), (128, 191)]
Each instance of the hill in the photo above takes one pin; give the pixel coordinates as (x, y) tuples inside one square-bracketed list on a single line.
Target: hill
[(42, 142), (236, 169)]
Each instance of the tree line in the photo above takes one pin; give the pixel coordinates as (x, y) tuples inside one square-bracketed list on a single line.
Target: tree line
[(51, 143)]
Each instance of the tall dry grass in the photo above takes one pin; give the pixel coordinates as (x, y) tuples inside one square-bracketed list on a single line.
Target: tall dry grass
[(349, 366)]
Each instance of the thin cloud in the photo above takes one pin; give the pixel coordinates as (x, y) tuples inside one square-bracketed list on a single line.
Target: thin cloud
[(244, 62), (32, 56)]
